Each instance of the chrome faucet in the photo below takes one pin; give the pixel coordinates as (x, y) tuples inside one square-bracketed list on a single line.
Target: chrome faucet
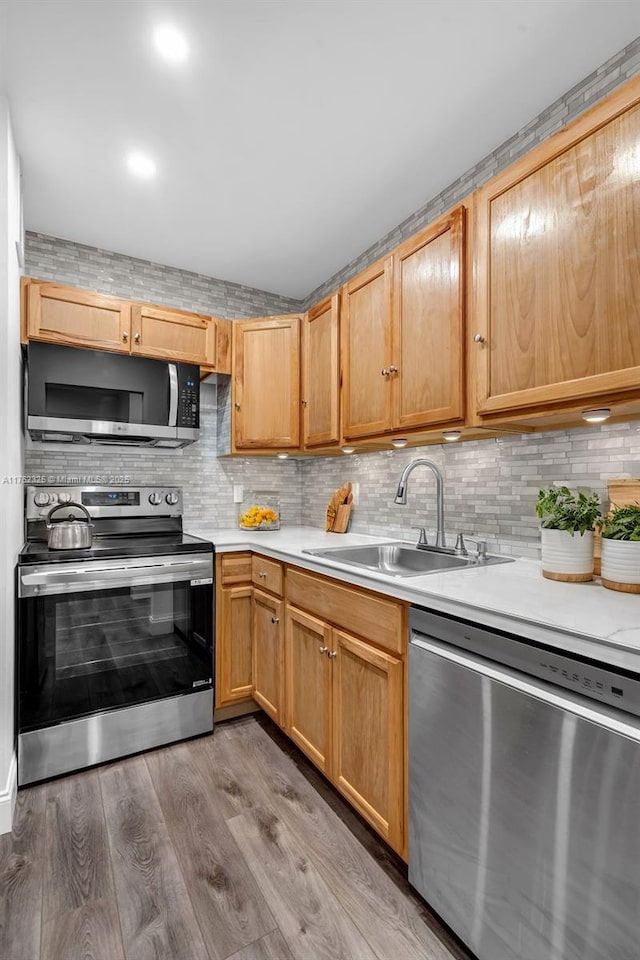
[(401, 493)]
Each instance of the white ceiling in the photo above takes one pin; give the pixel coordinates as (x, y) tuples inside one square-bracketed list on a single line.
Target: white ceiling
[(299, 131)]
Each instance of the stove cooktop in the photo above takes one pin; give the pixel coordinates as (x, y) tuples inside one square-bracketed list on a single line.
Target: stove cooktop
[(37, 551)]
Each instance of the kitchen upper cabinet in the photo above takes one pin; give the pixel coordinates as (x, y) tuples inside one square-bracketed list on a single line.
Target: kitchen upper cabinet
[(403, 335), (428, 325), (64, 315), (321, 374), (266, 383), (268, 654), (557, 310), (366, 351), (368, 740), (234, 628), (82, 318), (176, 335), (308, 696)]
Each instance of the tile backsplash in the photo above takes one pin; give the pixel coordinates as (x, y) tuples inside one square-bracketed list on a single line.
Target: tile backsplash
[(490, 485)]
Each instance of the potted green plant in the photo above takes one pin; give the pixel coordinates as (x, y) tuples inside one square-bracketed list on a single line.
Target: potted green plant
[(567, 533), (621, 549)]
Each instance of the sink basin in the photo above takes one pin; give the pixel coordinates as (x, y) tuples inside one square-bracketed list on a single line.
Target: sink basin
[(399, 559)]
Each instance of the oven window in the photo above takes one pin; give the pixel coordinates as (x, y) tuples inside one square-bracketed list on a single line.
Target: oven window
[(87, 652)]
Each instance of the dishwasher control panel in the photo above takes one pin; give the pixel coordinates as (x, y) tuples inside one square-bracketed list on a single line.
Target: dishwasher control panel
[(610, 686)]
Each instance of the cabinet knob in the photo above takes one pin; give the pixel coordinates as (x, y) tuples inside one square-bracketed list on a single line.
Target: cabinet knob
[(393, 369), (275, 619), (261, 573), (478, 338), (137, 338), (303, 402), (323, 649), (237, 405), (125, 335), (385, 371), (332, 655)]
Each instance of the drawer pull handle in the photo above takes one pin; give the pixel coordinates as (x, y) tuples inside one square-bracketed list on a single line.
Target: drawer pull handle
[(275, 619), (261, 573)]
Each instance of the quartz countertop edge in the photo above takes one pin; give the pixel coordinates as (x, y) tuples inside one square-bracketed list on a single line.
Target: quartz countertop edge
[(582, 618)]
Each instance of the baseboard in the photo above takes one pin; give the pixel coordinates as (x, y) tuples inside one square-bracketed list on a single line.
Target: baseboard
[(233, 710), (8, 797)]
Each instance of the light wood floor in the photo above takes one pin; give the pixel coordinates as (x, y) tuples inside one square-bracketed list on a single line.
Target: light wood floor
[(226, 846)]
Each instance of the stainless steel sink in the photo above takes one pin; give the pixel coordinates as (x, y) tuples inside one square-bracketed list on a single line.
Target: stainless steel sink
[(400, 559)]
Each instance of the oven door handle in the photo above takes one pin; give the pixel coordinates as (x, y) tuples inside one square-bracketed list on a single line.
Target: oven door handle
[(48, 582)]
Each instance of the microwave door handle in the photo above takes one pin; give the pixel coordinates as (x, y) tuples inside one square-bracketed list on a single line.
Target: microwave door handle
[(173, 395)]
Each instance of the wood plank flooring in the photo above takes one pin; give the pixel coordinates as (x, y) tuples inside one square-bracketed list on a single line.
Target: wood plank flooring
[(231, 847)]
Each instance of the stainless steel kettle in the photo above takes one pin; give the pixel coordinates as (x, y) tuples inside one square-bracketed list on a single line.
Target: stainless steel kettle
[(71, 534)]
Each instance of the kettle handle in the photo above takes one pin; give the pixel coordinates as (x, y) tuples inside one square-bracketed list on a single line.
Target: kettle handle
[(70, 503)]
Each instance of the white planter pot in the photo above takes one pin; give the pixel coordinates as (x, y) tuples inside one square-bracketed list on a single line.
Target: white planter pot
[(566, 557), (621, 565)]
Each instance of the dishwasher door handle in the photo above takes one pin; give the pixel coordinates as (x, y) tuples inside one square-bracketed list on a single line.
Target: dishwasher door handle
[(581, 707)]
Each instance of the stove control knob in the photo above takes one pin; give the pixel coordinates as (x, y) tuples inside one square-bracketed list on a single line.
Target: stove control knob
[(64, 497), (172, 499), (41, 499), (155, 499)]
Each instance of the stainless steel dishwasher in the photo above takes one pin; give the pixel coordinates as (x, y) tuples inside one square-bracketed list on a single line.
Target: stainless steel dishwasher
[(524, 794)]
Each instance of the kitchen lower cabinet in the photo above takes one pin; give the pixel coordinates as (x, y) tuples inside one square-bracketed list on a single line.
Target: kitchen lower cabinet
[(308, 695), (346, 706), (268, 655), (368, 740), (234, 629)]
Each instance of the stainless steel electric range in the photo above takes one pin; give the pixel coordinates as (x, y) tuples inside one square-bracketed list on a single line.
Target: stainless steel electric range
[(115, 642)]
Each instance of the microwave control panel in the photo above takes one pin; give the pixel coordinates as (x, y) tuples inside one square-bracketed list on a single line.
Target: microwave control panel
[(188, 396)]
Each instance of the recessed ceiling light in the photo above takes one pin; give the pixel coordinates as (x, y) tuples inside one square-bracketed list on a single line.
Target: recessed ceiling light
[(399, 442), (141, 165), (348, 449), (283, 456), (171, 43), (451, 435), (596, 416)]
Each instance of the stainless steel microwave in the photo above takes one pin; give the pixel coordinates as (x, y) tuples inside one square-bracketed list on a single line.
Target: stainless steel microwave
[(91, 396)]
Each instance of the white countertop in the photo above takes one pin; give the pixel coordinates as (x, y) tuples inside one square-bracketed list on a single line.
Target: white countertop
[(584, 618)]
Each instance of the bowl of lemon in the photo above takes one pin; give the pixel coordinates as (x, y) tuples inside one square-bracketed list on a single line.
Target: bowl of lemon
[(258, 517)]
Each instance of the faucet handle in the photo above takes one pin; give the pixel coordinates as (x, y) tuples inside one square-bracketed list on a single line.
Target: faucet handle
[(422, 540), (461, 550)]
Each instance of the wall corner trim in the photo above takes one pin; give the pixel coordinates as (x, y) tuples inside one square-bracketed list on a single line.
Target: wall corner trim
[(8, 797)]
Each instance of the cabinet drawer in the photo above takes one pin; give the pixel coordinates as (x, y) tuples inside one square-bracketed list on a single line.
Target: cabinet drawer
[(371, 617), (267, 574), (235, 568)]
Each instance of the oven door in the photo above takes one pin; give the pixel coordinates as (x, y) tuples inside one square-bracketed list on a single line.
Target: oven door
[(97, 635)]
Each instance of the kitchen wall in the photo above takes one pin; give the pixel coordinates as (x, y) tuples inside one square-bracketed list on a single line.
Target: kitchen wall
[(566, 108), (10, 450), (206, 479), (490, 485)]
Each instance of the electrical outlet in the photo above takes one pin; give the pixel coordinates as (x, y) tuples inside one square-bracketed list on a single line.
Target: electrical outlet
[(238, 493), (355, 490)]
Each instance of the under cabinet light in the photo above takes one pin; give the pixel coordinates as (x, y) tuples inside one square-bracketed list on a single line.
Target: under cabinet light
[(596, 416), (283, 456), (399, 442), (451, 435), (348, 449)]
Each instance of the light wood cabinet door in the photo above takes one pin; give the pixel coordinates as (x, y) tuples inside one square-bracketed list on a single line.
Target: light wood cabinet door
[(77, 318), (308, 686), (234, 616), (266, 383), (428, 325), (173, 335), (321, 374), (367, 352), (268, 655), (368, 740), (558, 271)]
